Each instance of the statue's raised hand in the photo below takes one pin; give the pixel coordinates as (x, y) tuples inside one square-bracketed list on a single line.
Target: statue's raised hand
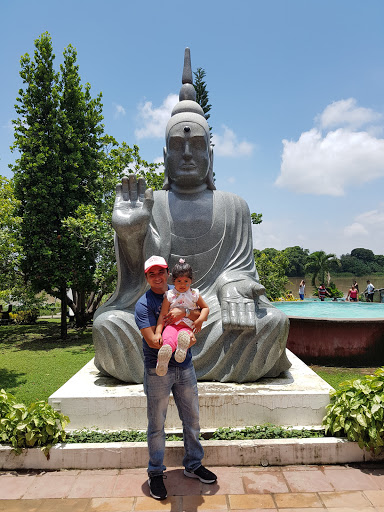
[(237, 301), (132, 209)]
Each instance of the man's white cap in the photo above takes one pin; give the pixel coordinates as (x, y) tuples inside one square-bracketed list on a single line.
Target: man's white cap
[(155, 261)]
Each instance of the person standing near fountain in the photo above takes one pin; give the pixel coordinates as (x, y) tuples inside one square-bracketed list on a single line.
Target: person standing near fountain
[(370, 289), (302, 289), (353, 294)]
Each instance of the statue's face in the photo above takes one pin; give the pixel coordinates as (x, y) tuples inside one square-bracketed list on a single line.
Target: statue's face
[(187, 156)]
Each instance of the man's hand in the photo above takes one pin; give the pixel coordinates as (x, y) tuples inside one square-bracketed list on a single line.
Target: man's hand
[(157, 339), (132, 209), (173, 316), (237, 301)]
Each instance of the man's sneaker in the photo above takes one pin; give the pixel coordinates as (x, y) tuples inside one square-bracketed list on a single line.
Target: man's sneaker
[(203, 474), (163, 357), (156, 487), (183, 342)]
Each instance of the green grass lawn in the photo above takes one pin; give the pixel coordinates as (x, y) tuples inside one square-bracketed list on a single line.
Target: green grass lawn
[(335, 375), (35, 362)]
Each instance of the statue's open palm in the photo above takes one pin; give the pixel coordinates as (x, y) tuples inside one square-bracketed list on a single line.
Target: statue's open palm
[(133, 208)]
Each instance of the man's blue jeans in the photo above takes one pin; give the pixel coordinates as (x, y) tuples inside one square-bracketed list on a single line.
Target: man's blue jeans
[(182, 383)]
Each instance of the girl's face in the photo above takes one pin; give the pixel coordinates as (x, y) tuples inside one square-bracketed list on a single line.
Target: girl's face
[(182, 283)]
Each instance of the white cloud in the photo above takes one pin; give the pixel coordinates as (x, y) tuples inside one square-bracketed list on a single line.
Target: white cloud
[(346, 113), (228, 144), (154, 120), (119, 111), (325, 164), (369, 224)]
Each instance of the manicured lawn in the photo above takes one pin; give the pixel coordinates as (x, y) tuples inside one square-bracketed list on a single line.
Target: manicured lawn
[(35, 362), (334, 375)]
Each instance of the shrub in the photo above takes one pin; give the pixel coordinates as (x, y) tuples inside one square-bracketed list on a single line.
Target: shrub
[(356, 411), (36, 425), (24, 317)]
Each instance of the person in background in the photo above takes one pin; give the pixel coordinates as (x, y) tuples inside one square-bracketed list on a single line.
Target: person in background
[(322, 291), (302, 289), (370, 289), (353, 294), (356, 285)]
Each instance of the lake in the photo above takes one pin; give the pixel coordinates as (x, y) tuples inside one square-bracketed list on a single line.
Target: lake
[(342, 283)]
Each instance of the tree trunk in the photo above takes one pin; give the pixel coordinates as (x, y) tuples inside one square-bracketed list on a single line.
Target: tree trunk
[(63, 298)]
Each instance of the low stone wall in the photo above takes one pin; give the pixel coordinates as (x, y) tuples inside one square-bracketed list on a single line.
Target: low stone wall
[(270, 452), (346, 342)]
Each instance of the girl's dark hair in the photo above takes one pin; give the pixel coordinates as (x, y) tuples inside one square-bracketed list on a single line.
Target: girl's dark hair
[(181, 269)]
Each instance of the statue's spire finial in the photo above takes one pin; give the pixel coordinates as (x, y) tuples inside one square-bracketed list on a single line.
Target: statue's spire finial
[(187, 91), (187, 70)]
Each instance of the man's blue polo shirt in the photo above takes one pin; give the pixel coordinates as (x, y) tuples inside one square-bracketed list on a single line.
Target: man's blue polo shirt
[(147, 312)]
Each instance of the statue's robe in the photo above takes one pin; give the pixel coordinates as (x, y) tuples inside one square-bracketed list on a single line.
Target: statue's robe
[(223, 254)]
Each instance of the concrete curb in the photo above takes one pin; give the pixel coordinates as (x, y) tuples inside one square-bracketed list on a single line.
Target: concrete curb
[(271, 452)]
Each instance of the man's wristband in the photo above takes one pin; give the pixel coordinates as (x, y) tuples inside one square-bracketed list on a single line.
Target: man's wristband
[(187, 312)]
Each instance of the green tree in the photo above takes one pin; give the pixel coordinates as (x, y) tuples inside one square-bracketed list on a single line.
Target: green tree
[(92, 230), (297, 257), (256, 218), (10, 249), (318, 264), (202, 93), (365, 255), (271, 265), (58, 135)]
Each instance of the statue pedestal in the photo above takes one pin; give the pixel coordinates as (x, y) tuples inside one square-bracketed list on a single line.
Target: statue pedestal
[(297, 398)]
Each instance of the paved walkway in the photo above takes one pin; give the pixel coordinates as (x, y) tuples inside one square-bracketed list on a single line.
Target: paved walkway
[(288, 488)]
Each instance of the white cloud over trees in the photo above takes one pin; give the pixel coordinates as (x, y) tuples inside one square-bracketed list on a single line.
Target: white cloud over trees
[(153, 120), (325, 162)]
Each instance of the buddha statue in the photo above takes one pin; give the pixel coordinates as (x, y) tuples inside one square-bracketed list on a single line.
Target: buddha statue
[(244, 337)]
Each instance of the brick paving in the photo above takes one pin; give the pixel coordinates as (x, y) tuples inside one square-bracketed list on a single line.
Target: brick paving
[(341, 488)]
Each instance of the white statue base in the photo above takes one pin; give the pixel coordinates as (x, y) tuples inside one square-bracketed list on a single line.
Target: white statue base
[(297, 398)]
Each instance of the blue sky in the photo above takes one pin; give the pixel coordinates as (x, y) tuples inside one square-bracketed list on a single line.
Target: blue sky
[(296, 87)]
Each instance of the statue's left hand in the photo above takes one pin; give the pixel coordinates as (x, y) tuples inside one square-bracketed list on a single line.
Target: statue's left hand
[(237, 301)]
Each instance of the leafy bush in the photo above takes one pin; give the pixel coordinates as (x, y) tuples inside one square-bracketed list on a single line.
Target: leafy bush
[(264, 432), (223, 434), (36, 425), (25, 317), (356, 411)]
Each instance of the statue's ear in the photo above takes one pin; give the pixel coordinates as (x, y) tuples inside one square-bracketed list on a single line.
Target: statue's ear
[(166, 185), (210, 180)]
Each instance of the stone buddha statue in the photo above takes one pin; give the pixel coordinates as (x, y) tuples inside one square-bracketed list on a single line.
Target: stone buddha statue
[(244, 337)]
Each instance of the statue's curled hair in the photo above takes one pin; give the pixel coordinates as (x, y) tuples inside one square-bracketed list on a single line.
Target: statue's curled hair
[(181, 269)]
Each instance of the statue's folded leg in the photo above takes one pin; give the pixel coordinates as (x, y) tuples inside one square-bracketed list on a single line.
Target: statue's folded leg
[(243, 355), (118, 346)]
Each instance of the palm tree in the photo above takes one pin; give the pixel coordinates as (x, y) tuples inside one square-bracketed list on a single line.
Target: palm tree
[(318, 264)]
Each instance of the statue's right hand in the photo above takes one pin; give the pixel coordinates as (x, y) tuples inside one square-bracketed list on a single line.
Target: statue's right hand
[(133, 207)]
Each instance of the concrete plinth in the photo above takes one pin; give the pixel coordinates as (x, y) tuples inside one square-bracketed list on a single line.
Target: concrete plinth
[(297, 398)]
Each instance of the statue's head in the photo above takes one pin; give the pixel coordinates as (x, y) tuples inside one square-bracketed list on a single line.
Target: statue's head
[(188, 155)]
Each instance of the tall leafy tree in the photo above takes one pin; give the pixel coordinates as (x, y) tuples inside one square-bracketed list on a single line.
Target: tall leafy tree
[(10, 249), (318, 263), (297, 257), (57, 135), (271, 265), (202, 93)]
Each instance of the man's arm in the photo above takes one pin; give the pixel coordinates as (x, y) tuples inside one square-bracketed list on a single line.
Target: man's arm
[(149, 335), (176, 314)]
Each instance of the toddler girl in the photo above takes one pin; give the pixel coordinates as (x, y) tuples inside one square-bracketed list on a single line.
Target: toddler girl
[(177, 337)]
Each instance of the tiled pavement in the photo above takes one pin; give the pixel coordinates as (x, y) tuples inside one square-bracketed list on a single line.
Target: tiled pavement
[(342, 488)]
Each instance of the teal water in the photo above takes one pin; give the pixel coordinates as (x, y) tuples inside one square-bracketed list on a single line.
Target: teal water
[(329, 309)]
